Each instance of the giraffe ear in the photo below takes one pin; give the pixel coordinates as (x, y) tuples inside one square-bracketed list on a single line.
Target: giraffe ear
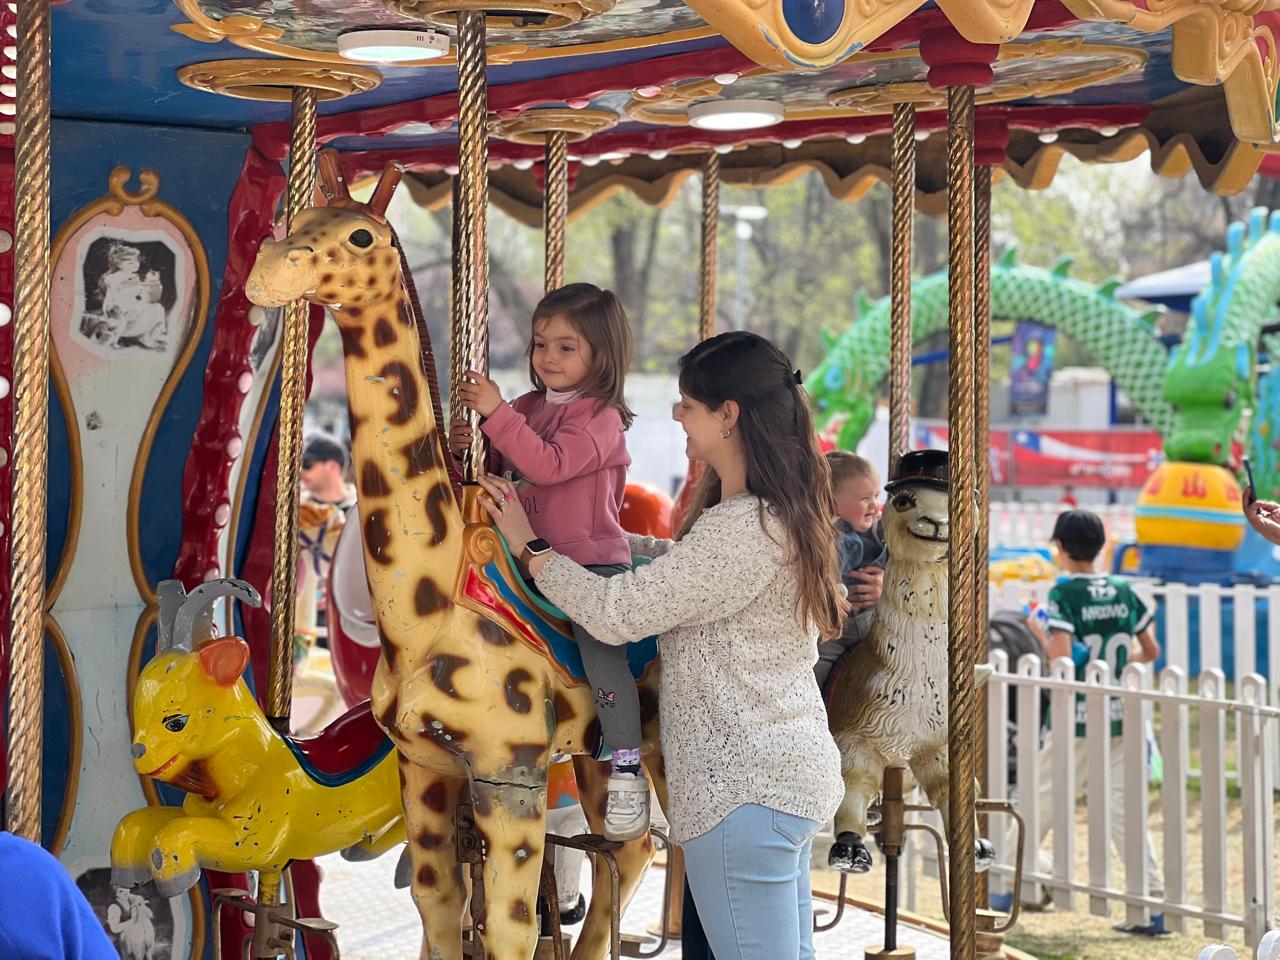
[(224, 660)]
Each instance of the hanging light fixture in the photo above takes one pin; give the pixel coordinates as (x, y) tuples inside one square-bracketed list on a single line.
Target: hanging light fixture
[(392, 46), (735, 114)]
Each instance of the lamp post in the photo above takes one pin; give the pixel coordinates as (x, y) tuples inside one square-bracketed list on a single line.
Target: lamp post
[(743, 218)]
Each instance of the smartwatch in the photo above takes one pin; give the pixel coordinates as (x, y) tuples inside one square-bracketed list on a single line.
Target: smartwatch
[(534, 548)]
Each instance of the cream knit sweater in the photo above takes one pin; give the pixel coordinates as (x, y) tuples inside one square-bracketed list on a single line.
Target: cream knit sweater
[(742, 719)]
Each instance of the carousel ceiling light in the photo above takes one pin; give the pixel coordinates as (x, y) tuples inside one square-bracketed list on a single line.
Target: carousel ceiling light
[(922, 135), (11, 52), (8, 89), (724, 148), (392, 46), (792, 143), (724, 79), (735, 114), (590, 161), (523, 164), (856, 138), (1110, 130), (1047, 136), (612, 155), (9, 71), (658, 154)]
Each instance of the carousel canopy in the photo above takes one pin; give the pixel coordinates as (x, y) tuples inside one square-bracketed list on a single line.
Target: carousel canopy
[(644, 87)]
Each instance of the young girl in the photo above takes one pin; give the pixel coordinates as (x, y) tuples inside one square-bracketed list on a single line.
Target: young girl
[(565, 442)]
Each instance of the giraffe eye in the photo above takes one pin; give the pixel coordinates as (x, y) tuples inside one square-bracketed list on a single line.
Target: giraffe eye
[(361, 238)]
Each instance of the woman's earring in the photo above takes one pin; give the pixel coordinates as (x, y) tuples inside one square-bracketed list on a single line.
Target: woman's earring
[(724, 434)]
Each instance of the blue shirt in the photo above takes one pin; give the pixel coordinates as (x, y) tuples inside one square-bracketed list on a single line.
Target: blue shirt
[(858, 550), (43, 915)]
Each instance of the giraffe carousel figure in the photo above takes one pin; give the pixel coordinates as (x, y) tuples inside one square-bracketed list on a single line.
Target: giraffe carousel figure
[(480, 685)]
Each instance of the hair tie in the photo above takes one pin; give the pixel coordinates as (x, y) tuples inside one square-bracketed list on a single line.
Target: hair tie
[(799, 378)]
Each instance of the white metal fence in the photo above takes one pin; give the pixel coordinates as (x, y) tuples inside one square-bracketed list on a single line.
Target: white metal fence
[(1237, 885)]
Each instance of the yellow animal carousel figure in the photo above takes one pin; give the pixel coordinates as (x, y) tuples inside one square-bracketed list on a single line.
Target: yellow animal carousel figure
[(480, 683), (256, 800)]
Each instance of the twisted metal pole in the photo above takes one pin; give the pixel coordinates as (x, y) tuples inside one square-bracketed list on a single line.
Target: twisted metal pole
[(556, 207), (470, 334), (293, 386), (904, 187), (710, 224), (31, 421), (981, 459), (961, 702)]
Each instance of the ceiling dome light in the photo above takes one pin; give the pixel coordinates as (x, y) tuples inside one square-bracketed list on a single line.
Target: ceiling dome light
[(612, 155), (525, 164), (724, 148), (921, 135), (590, 161), (1110, 130), (1047, 136), (856, 138), (658, 154), (792, 143), (735, 114), (392, 46), (724, 79)]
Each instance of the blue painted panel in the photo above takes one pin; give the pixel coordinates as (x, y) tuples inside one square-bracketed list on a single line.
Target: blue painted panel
[(813, 21)]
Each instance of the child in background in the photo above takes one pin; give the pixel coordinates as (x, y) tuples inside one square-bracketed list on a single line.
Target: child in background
[(565, 444), (861, 549)]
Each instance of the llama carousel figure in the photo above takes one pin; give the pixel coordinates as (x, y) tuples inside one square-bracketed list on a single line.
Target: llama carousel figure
[(887, 704)]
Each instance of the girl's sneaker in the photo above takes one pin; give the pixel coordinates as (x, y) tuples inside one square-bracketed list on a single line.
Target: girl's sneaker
[(626, 814)]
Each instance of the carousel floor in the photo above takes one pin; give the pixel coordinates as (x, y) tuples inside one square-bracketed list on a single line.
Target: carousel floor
[(377, 922)]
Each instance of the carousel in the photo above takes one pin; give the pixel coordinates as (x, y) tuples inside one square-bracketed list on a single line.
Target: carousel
[(193, 186)]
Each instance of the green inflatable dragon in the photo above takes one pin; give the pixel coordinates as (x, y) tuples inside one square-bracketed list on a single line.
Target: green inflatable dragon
[(1202, 399)]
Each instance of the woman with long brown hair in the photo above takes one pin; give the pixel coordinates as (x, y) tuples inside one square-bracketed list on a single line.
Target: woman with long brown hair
[(740, 600)]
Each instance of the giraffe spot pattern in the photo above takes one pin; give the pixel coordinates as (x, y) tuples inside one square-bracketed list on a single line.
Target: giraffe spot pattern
[(427, 876), (377, 537), (352, 339), (407, 394), (428, 598), (517, 699), (436, 798), (389, 651), (447, 737), (520, 912), (384, 335), (531, 756), (421, 455), (525, 853), (442, 667), (438, 498), (564, 709), (387, 719), (430, 841), (372, 482), (494, 635)]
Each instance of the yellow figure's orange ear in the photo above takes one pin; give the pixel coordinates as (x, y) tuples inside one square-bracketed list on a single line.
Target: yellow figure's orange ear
[(224, 660)]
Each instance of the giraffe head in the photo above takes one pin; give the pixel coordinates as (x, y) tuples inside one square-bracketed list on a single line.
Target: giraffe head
[(338, 255)]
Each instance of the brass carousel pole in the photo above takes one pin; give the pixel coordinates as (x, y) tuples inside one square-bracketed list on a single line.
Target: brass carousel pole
[(293, 385), (31, 421), (710, 225), (470, 334), (556, 207), (904, 187), (961, 704), (981, 453)]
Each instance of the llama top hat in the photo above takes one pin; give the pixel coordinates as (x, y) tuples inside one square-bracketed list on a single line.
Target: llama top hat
[(921, 468)]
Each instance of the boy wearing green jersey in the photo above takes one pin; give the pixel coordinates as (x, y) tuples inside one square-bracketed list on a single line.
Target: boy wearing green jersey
[(1095, 616)]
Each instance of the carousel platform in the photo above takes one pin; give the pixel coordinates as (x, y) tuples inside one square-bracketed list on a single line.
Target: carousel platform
[(377, 922)]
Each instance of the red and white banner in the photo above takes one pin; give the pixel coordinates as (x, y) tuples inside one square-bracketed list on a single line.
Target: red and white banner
[(1047, 458)]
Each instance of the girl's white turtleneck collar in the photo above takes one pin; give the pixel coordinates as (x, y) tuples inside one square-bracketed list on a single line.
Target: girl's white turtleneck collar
[(557, 398)]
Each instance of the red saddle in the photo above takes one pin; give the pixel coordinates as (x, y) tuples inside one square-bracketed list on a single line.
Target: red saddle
[(345, 750)]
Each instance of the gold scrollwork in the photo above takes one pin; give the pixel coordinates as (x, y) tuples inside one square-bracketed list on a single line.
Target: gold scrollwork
[(533, 126), (275, 80), (505, 14)]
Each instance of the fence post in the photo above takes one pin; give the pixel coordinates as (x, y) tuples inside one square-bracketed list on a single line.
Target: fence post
[(1028, 698), (1062, 708), (1098, 770), (1210, 627), (1259, 899), (1174, 746), (1213, 793), (998, 745), (1135, 794), (1273, 669), (1177, 628), (1245, 630)]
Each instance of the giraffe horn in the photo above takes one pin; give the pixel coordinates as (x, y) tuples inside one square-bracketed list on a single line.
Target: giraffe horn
[(331, 179), (387, 184), (194, 622)]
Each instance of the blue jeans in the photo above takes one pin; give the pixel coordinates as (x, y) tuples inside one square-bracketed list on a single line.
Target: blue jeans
[(749, 876)]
